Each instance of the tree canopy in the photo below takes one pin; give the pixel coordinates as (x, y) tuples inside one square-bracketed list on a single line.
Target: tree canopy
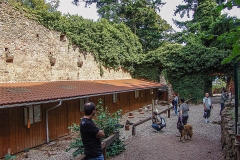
[(231, 36), (140, 15), (198, 60)]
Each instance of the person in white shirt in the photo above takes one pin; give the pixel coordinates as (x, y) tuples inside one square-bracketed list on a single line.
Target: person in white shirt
[(207, 104)]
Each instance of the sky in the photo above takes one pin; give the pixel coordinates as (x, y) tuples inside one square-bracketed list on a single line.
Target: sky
[(166, 11)]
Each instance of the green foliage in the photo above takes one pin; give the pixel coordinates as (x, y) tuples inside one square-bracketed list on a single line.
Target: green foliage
[(51, 6), (223, 24), (149, 67), (233, 35), (113, 45), (189, 68), (150, 72), (77, 145), (219, 85), (9, 156), (192, 86), (140, 16), (105, 121)]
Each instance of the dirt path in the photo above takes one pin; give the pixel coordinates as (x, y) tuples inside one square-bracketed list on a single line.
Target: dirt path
[(151, 145)]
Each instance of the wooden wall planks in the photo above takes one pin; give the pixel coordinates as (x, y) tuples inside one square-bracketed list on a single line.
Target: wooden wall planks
[(15, 135)]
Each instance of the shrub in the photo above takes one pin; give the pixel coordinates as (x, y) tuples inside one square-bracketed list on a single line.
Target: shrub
[(105, 121)]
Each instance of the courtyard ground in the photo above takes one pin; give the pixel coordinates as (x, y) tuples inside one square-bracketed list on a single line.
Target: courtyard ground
[(151, 145)]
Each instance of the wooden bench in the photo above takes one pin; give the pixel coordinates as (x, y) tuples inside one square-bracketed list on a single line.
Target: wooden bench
[(105, 143)]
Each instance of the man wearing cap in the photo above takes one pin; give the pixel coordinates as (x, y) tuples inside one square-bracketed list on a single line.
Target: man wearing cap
[(91, 134)]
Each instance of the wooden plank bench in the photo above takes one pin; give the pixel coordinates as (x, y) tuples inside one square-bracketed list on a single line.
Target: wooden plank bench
[(105, 143)]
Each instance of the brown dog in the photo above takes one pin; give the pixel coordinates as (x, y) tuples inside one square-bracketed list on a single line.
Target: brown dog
[(186, 130)]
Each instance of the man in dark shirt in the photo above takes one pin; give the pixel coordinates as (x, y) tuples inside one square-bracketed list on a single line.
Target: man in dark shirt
[(91, 134)]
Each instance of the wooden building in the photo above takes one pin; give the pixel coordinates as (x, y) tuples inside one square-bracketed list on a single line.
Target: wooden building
[(34, 113)]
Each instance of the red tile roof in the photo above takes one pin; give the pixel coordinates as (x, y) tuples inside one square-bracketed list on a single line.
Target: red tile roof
[(26, 92)]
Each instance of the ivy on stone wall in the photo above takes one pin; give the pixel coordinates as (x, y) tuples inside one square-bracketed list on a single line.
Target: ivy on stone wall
[(190, 69), (113, 45)]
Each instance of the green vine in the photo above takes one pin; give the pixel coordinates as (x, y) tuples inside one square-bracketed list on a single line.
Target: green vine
[(191, 68)]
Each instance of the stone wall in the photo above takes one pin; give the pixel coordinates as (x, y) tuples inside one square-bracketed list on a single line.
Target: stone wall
[(228, 134), (32, 45)]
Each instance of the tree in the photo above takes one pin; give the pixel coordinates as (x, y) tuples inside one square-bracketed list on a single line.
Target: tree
[(229, 34), (199, 59), (145, 23), (140, 15), (190, 68), (232, 36), (54, 4), (49, 5)]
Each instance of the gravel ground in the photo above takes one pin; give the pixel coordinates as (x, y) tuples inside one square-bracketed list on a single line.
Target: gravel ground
[(148, 144)]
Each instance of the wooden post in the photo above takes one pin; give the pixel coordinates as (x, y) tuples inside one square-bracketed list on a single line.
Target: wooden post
[(169, 113), (105, 153), (146, 119), (152, 105), (133, 130)]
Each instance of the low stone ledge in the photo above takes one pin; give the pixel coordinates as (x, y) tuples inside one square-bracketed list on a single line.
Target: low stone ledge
[(228, 135)]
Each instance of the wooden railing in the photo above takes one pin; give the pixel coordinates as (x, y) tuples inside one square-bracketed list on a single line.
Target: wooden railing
[(149, 118), (105, 143)]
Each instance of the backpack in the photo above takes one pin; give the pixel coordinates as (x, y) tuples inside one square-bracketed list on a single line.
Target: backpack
[(163, 124)]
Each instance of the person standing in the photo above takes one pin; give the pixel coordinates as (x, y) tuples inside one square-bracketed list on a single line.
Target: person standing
[(224, 98), (183, 114), (91, 134), (175, 103), (207, 104)]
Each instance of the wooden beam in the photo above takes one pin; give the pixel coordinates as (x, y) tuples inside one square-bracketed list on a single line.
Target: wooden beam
[(82, 157), (141, 121), (108, 141), (147, 119)]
